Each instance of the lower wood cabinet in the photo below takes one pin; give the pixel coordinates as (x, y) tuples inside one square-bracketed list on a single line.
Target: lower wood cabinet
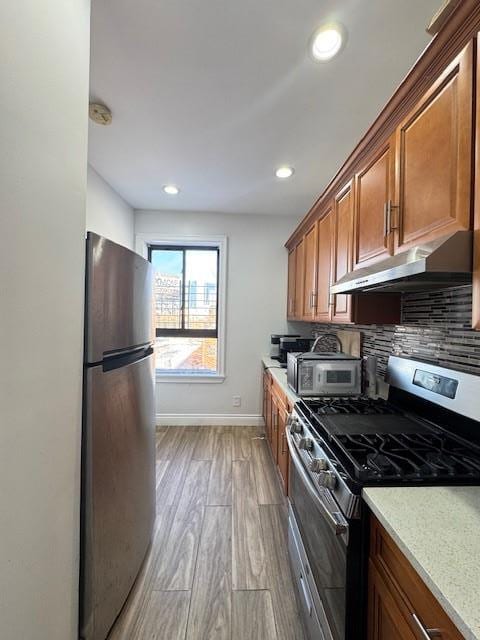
[(276, 409), (400, 605)]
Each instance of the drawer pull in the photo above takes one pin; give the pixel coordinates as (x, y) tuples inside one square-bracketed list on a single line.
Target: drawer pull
[(427, 634)]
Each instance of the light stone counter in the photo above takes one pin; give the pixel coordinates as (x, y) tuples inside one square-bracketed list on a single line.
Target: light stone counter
[(438, 530), (280, 376)]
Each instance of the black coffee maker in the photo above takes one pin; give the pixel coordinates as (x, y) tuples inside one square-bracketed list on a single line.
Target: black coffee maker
[(275, 343), (294, 344)]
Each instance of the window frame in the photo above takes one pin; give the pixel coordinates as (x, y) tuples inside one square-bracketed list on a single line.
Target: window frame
[(188, 333), (142, 244)]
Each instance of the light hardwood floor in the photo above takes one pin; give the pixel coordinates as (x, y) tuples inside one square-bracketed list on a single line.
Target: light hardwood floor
[(218, 566)]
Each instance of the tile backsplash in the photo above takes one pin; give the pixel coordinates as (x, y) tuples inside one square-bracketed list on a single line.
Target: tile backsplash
[(436, 326)]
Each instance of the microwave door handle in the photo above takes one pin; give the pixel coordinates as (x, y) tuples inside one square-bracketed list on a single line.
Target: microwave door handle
[(335, 519)]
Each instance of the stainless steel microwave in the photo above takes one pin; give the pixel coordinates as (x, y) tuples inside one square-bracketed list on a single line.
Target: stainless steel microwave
[(324, 374)]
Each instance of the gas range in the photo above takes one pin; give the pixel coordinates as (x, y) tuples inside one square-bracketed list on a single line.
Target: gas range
[(428, 432), (347, 443)]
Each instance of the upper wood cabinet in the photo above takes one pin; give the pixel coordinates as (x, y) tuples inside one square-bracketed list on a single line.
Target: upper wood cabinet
[(434, 159), (341, 249), (415, 173), (374, 190), (292, 257), (310, 273), (324, 267)]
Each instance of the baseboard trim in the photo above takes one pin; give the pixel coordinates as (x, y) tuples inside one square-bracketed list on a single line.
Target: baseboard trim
[(214, 419)]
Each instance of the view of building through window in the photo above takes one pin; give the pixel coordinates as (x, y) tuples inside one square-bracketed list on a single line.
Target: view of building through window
[(185, 290)]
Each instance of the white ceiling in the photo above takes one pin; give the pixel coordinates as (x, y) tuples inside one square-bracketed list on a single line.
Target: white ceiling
[(212, 95)]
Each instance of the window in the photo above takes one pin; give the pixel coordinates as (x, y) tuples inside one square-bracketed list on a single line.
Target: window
[(186, 308)]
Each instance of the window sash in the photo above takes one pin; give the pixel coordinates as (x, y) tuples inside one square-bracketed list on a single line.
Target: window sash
[(182, 331)]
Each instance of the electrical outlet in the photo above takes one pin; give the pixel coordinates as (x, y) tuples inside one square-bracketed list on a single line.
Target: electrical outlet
[(237, 401)]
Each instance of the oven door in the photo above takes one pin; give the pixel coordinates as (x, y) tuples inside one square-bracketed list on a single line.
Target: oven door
[(324, 533)]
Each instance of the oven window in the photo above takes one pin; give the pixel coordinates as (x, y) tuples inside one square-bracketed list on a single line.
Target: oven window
[(326, 553)]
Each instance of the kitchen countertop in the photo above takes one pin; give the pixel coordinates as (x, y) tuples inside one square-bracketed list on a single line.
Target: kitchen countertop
[(438, 530), (280, 376)]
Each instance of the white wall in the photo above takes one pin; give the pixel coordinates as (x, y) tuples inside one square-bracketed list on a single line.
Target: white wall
[(107, 213), (256, 304), (44, 60)]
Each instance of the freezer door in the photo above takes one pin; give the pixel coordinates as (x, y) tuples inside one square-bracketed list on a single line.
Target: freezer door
[(118, 489), (119, 294)]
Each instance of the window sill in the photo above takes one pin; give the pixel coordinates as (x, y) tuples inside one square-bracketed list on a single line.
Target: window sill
[(189, 378)]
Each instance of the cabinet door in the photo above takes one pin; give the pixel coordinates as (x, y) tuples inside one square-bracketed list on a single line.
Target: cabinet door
[(267, 404), (434, 158), (299, 279), (310, 280), (291, 284), (324, 266), (341, 251), (274, 427), (385, 618), (282, 447), (374, 189)]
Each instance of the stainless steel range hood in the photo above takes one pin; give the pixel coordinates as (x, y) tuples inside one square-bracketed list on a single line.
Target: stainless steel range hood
[(445, 262)]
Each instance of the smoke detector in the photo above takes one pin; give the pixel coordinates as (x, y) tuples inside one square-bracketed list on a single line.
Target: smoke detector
[(100, 113)]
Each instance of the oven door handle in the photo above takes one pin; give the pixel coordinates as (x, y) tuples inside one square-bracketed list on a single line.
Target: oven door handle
[(334, 518)]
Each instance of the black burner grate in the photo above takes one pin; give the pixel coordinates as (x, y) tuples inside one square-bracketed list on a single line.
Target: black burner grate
[(373, 441), (422, 456)]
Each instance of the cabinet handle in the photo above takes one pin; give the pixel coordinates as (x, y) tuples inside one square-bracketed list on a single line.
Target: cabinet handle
[(391, 206), (427, 634), (284, 439), (314, 297), (306, 598)]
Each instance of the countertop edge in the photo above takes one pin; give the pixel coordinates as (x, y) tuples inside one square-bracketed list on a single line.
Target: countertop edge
[(280, 376), (425, 576)]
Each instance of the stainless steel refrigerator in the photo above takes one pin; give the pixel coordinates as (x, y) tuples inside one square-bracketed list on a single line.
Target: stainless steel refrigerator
[(118, 440)]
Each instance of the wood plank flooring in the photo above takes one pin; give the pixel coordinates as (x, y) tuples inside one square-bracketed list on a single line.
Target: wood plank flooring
[(218, 566)]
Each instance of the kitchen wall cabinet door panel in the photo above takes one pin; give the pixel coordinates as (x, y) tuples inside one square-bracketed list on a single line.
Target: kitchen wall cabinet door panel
[(310, 281), (299, 279), (374, 189), (291, 285), (434, 159), (341, 252), (324, 266)]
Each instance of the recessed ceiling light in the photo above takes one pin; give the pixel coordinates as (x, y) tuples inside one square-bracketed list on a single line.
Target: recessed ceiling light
[(327, 41), (171, 189), (284, 172)]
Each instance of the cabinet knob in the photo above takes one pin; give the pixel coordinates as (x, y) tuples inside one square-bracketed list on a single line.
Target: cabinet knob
[(327, 479), (318, 464)]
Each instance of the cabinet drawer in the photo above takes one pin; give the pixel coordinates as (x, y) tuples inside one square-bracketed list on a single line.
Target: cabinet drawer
[(409, 588)]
